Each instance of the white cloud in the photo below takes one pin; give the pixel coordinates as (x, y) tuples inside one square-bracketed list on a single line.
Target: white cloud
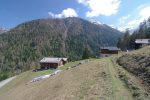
[(101, 7), (130, 25), (122, 29), (123, 19), (82, 1), (69, 12), (144, 13), (143, 6), (141, 16), (134, 22)]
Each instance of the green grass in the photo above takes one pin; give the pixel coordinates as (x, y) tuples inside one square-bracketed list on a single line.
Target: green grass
[(27, 76), (45, 72), (132, 62), (69, 65), (89, 78), (119, 91), (131, 82), (74, 63)]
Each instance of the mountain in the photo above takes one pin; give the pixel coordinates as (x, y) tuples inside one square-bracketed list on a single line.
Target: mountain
[(2, 30), (23, 46), (95, 22)]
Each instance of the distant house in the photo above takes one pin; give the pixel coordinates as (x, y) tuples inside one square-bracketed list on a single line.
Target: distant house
[(49, 62), (108, 51), (142, 42)]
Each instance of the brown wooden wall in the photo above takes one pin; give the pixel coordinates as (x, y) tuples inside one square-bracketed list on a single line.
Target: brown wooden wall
[(52, 65), (106, 51), (49, 65)]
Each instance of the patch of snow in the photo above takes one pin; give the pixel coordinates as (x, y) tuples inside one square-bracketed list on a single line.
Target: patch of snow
[(95, 22)]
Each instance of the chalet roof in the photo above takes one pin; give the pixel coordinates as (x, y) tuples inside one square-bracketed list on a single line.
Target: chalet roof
[(142, 41), (52, 60), (65, 59), (110, 48)]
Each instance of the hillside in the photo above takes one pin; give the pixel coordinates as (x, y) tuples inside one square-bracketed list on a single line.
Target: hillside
[(138, 63), (22, 47), (92, 80)]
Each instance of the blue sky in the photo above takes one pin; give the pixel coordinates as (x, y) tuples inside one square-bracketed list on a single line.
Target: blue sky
[(119, 14)]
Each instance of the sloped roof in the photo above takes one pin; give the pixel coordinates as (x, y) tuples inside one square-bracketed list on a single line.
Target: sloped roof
[(50, 60), (65, 59), (142, 41), (110, 48)]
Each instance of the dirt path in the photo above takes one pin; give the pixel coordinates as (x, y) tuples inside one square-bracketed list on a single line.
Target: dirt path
[(120, 92)]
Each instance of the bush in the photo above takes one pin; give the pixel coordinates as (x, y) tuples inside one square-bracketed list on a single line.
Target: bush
[(3, 76)]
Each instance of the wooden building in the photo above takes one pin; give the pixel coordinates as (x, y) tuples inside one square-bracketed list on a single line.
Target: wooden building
[(52, 63), (141, 43), (108, 51)]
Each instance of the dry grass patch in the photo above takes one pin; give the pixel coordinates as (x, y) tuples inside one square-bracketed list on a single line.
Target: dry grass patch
[(138, 64), (87, 82), (132, 82)]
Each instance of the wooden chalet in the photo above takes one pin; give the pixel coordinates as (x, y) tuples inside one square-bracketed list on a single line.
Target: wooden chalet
[(52, 63), (141, 43), (108, 51)]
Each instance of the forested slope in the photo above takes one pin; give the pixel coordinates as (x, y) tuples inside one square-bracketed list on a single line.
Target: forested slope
[(22, 47)]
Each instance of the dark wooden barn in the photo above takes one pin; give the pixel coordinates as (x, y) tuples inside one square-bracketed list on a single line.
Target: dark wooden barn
[(49, 63), (108, 51)]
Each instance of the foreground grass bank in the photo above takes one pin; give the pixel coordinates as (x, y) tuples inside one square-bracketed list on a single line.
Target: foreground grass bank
[(98, 79), (27, 76), (94, 80)]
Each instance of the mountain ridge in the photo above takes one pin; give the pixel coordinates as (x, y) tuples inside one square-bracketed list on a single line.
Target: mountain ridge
[(3, 30)]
